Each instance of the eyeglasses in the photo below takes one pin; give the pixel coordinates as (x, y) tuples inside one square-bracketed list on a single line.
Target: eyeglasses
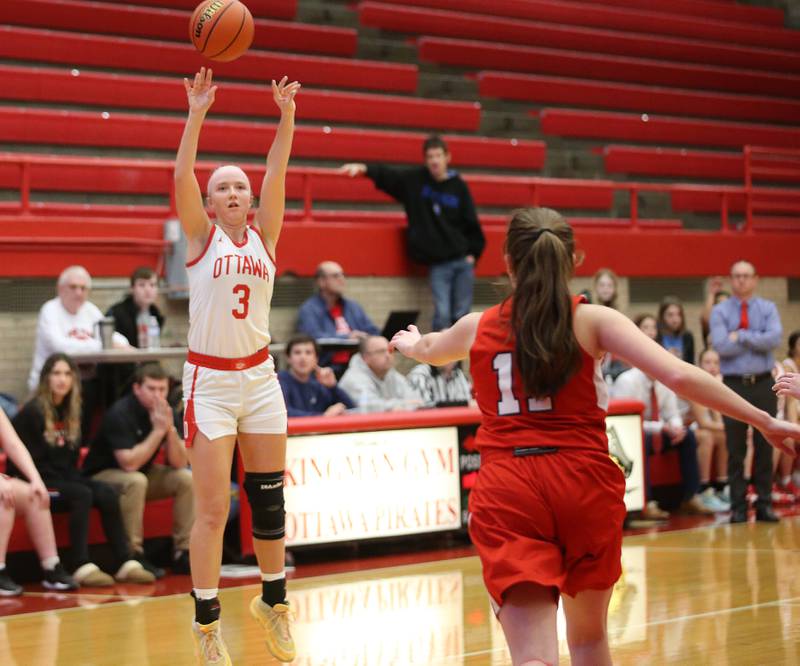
[(742, 276), (334, 275)]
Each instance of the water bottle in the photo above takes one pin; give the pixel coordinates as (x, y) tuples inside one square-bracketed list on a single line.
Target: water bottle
[(153, 333), (142, 324)]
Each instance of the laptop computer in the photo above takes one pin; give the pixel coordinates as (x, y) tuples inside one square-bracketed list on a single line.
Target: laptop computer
[(397, 321)]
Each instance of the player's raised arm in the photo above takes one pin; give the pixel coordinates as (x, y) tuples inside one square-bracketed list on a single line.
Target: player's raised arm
[(272, 198), (200, 95), (451, 344)]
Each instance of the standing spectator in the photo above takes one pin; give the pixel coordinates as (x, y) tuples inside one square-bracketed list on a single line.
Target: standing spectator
[(32, 501), (140, 302), (67, 324), (132, 434), (672, 332), (443, 229), (605, 288), (663, 429), (328, 314), (49, 425), (441, 384), (744, 330), (373, 383), (710, 435), (308, 389)]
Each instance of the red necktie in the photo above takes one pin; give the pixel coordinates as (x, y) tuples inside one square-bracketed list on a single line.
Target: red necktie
[(657, 439), (743, 320)]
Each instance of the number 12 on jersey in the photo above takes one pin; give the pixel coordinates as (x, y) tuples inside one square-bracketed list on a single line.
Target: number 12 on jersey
[(509, 405)]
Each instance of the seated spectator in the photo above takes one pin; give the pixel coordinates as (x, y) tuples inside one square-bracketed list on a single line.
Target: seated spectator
[(139, 303), (328, 314), (446, 384), (710, 435), (373, 383), (123, 454), (49, 425), (31, 501), (672, 332), (308, 389), (663, 429), (605, 288), (67, 324)]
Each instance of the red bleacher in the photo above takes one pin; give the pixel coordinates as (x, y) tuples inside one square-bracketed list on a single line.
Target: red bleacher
[(131, 21), (72, 49), (673, 162), (706, 9), (631, 97), (285, 9), (486, 55), (617, 18), (37, 84), (648, 128), (516, 31)]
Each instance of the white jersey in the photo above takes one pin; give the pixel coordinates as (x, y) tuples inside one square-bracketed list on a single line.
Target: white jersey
[(230, 289)]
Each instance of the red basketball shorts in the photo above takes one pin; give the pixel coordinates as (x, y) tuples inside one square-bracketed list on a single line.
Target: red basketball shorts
[(554, 520)]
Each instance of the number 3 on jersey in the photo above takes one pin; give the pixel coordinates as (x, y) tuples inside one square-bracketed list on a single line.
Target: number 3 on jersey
[(244, 301), (508, 404)]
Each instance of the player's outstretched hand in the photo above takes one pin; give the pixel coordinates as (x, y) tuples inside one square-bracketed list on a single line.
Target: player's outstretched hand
[(788, 384), (283, 93), (404, 341), (782, 435), (200, 92)]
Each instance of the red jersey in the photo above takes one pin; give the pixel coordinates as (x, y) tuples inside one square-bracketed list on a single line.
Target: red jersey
[(572, 418)]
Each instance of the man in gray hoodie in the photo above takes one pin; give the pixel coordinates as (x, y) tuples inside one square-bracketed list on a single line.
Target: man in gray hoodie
[(373, 383)]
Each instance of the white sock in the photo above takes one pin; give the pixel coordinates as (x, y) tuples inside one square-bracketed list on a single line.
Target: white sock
[(209, 593), (785, 480), (2, 566), (269, 577), (49, 563)]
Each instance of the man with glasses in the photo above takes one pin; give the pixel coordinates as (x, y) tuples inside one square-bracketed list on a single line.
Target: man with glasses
[(328, 314), (744, 330), (67, 324)]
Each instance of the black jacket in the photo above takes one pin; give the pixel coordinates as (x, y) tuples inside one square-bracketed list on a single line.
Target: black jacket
[(442, 221), (125, 313)]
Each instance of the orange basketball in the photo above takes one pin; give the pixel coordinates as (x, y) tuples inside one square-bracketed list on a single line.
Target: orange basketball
[(221, 29)]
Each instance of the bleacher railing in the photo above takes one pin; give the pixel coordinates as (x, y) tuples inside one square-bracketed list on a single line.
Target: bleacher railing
[(768, 202)]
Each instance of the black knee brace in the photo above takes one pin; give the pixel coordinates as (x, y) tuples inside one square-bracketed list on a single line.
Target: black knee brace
[(265, 494)]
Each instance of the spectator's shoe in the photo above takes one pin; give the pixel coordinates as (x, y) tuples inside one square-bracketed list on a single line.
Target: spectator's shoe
[(652, 511), (790, 489), (275, 622), (780, 497), (211, 648), (133, 571), (158, 572), (180, 563), (695, 507), (752, 496), (90, 575), (711, 501), (739, 516), (8, 588), (765, 514), (725, 494), (57, 578)]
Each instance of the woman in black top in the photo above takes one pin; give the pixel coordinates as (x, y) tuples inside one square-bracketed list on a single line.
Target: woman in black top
[(50, 426)]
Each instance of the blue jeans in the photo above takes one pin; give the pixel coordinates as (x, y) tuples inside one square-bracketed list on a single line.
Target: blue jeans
[(451, 284)]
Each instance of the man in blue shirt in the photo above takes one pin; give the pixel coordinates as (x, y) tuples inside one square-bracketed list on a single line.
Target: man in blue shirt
[(328, 314), (308, 389), (744, 330)]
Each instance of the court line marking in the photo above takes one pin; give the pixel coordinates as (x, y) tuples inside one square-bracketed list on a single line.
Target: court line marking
[(720, 549)]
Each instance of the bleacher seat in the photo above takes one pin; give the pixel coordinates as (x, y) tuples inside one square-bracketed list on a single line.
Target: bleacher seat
[(170, 24), (673, 163), (648, 128), (518, 58), (554, 35), (622, 18), (633, 97), (285, 9), (35, 45), (705, 9), (60, 86)]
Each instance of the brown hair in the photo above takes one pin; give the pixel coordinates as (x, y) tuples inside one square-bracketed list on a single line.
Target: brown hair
[(667, 302), (596, 278), (72, 402), (150, 370), (540, 246), (142, 273), (301, 339)]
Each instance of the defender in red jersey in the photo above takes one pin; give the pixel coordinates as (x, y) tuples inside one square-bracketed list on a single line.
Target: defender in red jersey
[(546, 512)]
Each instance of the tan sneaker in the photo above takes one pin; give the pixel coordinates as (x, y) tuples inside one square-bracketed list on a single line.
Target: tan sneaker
[(132, 571), (90, 575), (275, 621), (211, 650), (695, 507), (652, 511)]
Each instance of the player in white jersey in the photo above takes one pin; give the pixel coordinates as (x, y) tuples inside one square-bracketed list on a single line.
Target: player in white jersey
[(230, 387)]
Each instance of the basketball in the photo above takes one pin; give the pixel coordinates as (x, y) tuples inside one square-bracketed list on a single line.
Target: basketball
[(221, 30)]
